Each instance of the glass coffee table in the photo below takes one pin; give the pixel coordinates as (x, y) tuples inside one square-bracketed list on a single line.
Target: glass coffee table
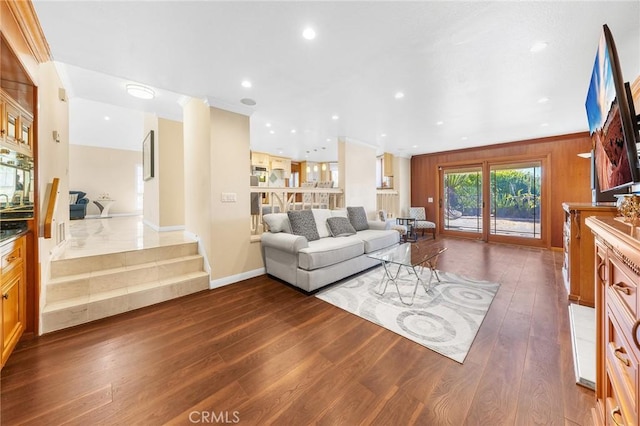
[(412, 257)]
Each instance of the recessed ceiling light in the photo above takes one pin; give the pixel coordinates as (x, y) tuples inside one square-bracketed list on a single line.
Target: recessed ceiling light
[(544, 124), (414, 146), (107, 118), (246, 83), (268, 124), (248, 101), (309, 33), (399, 95), (383, 135), (334, 117), (538, 46), (328, 139), (439, 123), (543, 100), (464, 138), (272, 131), (140, 91), (293, 130)]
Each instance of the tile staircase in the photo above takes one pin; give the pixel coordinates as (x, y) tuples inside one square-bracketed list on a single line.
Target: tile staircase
[(88, 288)]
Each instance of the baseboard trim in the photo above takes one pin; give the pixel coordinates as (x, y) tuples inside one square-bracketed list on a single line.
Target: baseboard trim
[(221, 282), (163, 228)]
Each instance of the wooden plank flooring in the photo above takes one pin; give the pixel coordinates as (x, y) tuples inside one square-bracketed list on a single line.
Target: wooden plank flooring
[(259, 352)]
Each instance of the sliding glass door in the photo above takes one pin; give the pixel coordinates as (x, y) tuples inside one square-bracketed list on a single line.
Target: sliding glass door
[(514, 191), (515, 199), (463, 203)]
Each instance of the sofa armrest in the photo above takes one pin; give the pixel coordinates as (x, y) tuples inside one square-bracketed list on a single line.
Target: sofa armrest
[(283, 241), (378, 225)]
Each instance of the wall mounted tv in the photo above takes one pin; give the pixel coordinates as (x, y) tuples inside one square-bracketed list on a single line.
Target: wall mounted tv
[(611, 124)]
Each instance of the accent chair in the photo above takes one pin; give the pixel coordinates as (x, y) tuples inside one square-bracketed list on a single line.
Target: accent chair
[(422, 224)]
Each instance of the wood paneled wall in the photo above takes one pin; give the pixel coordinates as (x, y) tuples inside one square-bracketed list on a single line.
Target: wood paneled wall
[(570, 175)]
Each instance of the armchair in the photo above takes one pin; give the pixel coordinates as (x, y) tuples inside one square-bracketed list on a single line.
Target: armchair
[(419, 214), (77, 204)]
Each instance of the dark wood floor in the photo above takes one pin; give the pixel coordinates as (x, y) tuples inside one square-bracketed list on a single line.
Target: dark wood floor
[(259, 352)]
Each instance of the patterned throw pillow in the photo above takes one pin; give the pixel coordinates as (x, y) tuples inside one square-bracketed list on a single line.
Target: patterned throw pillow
[(340, 227), (303, 223), (358, 218), (73, 198)]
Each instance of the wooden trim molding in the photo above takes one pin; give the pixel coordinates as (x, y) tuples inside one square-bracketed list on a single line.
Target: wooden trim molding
[(635, 92), (26, 18)]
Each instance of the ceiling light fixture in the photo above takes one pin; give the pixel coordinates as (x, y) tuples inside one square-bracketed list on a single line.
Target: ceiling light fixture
[(544, 124), (293, 130), (440, 123), (268, 124), (334, 117), (543, 100), (538, 46), (399, 95), (272, 131), (107, 118), (309, 33), (139, 91), (247, 101), (383, 135), (246, 83)]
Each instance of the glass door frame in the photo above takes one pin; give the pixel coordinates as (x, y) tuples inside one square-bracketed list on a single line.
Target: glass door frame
[(485, 165)]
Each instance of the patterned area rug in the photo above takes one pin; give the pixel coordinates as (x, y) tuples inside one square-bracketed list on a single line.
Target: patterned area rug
[(445, 319)]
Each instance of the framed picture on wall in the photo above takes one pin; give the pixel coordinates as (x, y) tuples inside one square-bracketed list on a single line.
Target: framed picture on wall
[(147, 157)]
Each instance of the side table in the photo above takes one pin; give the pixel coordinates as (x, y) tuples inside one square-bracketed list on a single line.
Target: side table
[(104, 205), (410, 223)]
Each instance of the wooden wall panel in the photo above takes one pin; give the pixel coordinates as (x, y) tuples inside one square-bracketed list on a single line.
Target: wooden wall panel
[(570, 174)]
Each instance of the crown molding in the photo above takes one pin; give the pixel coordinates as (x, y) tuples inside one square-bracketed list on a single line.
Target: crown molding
[(25, 17)]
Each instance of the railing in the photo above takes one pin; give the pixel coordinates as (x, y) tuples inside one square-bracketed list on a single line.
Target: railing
[(273, 200), (389, 201)]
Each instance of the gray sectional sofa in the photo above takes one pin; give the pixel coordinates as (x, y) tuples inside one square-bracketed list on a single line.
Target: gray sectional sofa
[(310, 250)]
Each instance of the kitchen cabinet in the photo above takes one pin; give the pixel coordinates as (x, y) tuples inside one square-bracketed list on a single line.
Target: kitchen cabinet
[(260, 159), (16, 125), (13, 290), (387, 164)]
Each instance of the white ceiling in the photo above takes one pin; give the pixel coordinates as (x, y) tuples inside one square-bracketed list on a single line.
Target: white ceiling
[(465, 64)]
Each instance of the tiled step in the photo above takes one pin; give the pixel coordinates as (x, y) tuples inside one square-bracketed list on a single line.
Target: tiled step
[(90, 283), (89, 288), (80, 310), (82, 265)]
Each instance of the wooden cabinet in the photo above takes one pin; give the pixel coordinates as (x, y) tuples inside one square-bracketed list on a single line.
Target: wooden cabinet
[(577, 266), (16, 125), (259, 159), (13, 293), (387, 164), (617, 276)]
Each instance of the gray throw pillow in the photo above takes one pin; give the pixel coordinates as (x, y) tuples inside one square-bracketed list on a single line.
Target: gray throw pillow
[(358, 218), (303, 223), (340, 227)]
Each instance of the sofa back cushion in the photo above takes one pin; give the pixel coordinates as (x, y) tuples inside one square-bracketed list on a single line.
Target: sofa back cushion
[(277, 222), (340, 227), (303, 223), (321, 216), (358, 218)]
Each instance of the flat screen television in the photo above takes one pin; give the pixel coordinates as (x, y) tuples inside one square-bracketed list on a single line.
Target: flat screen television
[(611, 124)]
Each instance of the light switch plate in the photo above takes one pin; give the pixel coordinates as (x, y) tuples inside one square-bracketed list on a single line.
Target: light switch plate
[(430, 200), (228, 197)]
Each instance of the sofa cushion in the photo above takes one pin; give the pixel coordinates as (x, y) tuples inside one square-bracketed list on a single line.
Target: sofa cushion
[(339, 213), (340, 227), (329, 251), (303, 223), (375, 240), (358, 218), (277, 222), (321, 216)]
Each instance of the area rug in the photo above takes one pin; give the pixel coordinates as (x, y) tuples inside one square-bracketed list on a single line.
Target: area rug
[(445, 319)]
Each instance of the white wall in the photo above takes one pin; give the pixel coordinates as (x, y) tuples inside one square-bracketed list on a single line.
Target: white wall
[(98, 171), (357, 165)]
